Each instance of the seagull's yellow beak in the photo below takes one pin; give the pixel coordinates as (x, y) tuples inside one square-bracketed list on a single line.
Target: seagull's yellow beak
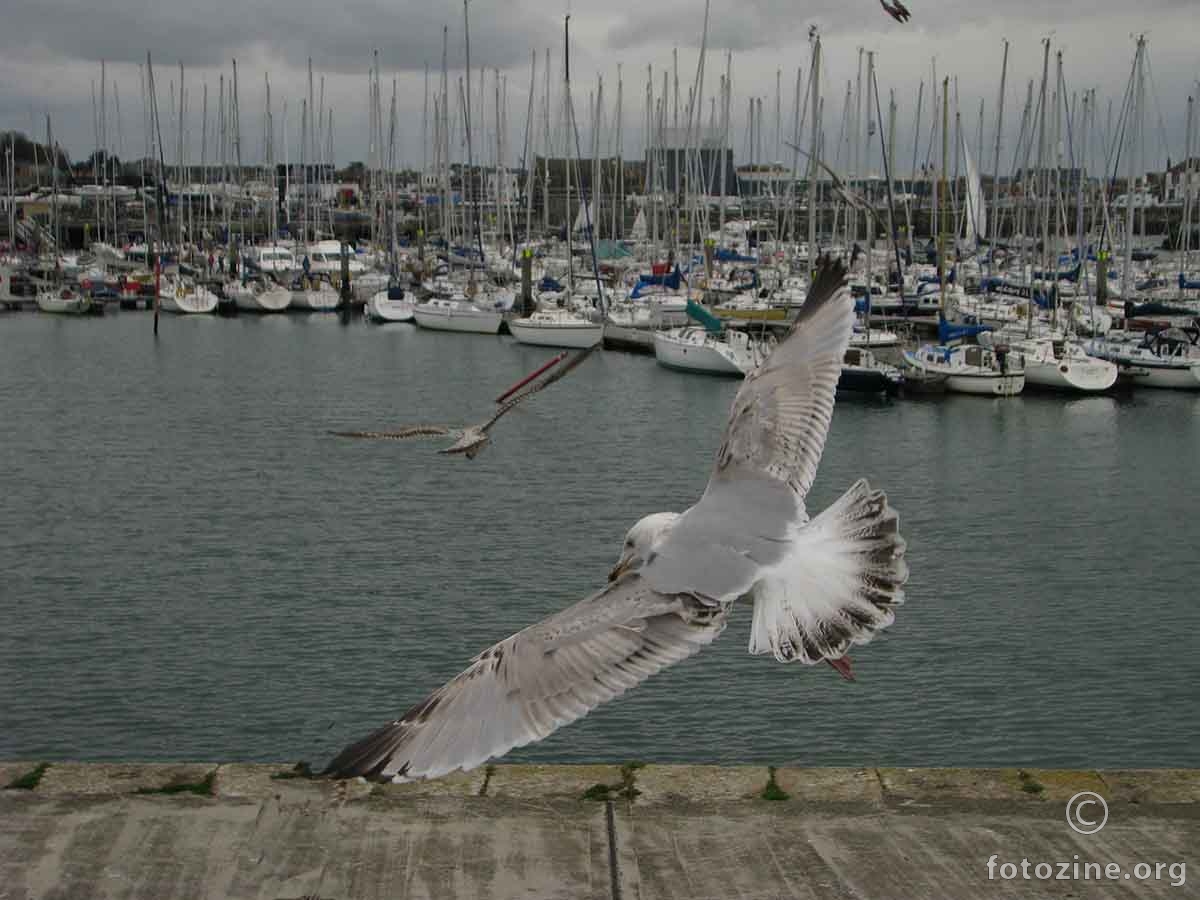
[(624, 564)]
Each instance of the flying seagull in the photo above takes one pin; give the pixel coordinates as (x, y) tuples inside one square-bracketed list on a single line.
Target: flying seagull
[(896, 10), (818, 586), (471, 439), (849, 196)]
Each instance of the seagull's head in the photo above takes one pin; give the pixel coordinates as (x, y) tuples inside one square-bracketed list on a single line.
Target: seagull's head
[(640, 541)]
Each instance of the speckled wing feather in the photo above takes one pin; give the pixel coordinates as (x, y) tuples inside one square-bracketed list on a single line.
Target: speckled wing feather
[(768, 456), (781, 414), (561, 371), (401, 433), (536, 681)]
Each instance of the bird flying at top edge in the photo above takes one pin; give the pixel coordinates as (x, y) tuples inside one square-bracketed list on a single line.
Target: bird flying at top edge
[(470, 440), (896, 10), (817, 586)]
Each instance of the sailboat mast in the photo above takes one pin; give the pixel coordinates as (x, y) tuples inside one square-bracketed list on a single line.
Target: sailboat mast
[(1187, 192), (726, 95), (1135, 113), (995, 229), (941, 255), (1044, 182), (814, 155), (618, 186), (530, 170), (866, 163), (179, 162)]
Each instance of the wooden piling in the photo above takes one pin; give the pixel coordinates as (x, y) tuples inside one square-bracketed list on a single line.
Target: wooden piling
[(526, 281)]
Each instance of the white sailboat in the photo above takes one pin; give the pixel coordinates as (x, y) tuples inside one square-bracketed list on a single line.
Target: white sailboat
[(557, 327), (695, 349), (184, 297), (64, 301), (1060, 363), (392, 305), (968, 369), (457, 314), (257, 297), (1168, 359), (314, 295), (874, 338)]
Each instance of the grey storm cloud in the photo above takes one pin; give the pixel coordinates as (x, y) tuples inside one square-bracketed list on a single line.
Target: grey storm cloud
[(339, 37), (757, 24), (50, 52)]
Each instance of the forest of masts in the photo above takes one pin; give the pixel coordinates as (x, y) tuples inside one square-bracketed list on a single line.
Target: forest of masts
[(1073, 154)]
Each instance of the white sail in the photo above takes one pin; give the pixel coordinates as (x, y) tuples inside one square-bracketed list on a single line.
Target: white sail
[(976, 224), (639, 231), (581, 218)]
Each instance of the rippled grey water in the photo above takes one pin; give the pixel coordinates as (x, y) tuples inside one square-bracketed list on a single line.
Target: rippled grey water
[(191, 569)]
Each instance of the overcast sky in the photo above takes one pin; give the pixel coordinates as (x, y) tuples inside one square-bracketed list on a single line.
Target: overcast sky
[(50, 54)]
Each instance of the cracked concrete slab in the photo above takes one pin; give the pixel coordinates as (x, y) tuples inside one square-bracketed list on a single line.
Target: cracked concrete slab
[(692, 832)]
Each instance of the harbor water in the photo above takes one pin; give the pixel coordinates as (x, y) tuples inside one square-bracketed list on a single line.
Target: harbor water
[(191, 568)]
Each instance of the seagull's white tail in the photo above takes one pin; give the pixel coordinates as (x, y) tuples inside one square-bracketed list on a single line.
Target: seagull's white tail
[(838, 584)]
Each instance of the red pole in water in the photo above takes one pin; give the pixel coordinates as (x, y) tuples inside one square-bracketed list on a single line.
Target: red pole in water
[(528, 378)]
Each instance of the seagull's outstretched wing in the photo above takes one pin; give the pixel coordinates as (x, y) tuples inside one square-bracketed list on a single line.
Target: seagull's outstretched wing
[(536, 681), (896, 10), (472, 439), (402, 433), (561, 371), (850, 197), (768, 456), (781, 414)]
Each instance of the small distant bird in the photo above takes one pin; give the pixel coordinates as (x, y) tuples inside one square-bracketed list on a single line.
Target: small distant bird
[(849, 197), (470, 440), (896, 10), (819, 585)]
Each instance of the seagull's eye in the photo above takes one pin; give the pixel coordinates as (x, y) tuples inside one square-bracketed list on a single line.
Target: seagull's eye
[(629, 543)]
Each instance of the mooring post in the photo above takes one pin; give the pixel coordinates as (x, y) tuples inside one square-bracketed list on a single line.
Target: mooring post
[(345, 274), (527, 281)]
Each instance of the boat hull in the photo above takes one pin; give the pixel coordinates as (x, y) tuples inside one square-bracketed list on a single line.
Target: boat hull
[(693, 358), (195, 302), (70, 306), (861, 380), (268, 301), (1177, 378), (322, 300), (472, 321), (574, 336), (986, 384), (1069, 375), (382, 309)]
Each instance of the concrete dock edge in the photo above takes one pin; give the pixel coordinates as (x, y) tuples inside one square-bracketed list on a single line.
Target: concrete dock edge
[(204, 830)]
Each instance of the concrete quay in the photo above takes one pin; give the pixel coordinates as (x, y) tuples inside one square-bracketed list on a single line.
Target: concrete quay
[(211, 832)]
